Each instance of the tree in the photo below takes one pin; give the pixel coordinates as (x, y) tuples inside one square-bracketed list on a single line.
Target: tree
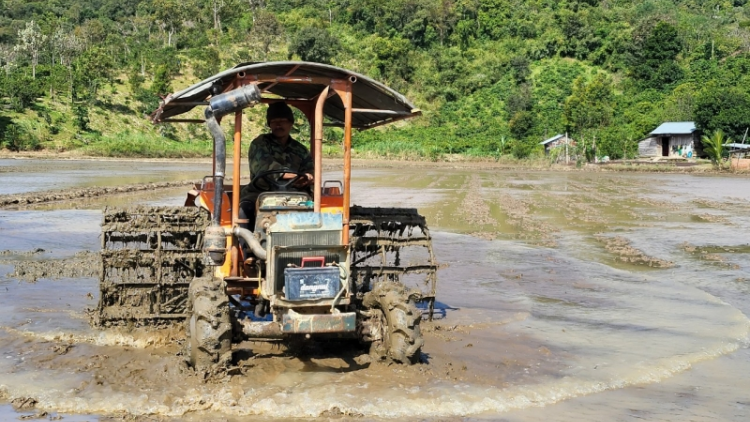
[(21, 90), (206, 61), (90, 70), (521, 124), (654, 64), (589, 107), (161, 85), (393, 58), (31, 40), (266, 30), (65, 45), (725, 109), (254, 6), (713, 146), (314, 44), (8, 57), (519, 99), (442, 16), (171, 14), (216, 6)]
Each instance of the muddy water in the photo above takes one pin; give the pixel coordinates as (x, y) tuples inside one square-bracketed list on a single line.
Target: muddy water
[(566, 296)]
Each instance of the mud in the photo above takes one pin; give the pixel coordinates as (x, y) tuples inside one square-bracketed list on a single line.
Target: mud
[(620, 247), (82, 264), (73, 194)]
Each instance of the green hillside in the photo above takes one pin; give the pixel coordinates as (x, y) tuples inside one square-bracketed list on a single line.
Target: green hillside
[(493, 77)]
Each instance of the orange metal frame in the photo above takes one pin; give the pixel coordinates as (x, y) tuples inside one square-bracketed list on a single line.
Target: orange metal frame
[(313, 111)]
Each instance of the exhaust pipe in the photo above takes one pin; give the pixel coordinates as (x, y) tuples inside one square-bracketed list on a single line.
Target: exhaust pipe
[(219, 106), (251, 241)]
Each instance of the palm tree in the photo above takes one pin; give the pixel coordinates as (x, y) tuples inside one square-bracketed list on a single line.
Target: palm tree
[(713, 146)]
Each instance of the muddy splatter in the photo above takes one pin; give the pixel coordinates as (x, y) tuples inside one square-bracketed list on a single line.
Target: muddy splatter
[(82, 264), (23, 403)]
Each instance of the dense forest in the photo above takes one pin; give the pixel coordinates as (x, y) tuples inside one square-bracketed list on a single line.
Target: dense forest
[(493, 77)]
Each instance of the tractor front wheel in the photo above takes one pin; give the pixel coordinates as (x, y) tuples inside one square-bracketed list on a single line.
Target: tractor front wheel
[(396, 318), (209, 329)]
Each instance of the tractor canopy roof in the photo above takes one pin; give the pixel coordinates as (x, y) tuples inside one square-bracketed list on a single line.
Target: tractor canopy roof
[(373, 104)]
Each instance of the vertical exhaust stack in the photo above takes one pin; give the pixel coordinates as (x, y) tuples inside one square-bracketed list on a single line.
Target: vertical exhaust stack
[(215, 241)]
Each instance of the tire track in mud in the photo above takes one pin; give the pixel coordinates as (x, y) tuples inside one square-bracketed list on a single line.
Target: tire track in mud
[(519, 215), (475, 210)]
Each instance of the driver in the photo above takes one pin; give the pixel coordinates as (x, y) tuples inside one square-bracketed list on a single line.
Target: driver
[(275, 151)]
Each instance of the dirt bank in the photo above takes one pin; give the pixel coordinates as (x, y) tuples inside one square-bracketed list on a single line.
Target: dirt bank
[(35, 198)]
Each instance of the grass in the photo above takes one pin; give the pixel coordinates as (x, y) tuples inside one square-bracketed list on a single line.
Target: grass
[(144, 145)]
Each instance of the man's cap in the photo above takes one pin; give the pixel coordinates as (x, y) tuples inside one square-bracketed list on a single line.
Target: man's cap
[(279, 110)]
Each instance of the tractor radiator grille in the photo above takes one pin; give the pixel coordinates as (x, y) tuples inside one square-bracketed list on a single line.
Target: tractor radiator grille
[(302, 238), (314, 243)]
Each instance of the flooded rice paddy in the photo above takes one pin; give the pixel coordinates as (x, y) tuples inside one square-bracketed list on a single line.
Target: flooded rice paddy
[(566, 296)]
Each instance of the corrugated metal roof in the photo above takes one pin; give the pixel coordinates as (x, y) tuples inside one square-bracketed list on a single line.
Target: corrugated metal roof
[(367, 94), (552, 139), (674, 128)]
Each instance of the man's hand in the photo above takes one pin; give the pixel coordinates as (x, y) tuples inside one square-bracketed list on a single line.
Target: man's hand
[(305, 181)]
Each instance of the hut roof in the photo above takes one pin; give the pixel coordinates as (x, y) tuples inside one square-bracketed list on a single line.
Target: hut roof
[(674, 128), (553, 139)]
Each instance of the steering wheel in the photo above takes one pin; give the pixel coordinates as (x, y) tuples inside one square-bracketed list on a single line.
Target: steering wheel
[(274, 183)]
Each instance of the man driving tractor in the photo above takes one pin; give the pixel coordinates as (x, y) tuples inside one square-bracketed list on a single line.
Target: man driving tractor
[(276, 150)]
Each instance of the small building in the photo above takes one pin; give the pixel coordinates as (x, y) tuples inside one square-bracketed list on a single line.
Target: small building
[(672, 139), (557, 141), (738, 156)]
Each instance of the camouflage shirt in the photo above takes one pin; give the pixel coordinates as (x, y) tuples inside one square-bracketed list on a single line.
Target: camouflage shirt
[(267, 154)]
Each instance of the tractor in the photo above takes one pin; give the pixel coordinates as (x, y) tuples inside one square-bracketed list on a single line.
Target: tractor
[(311, 265)]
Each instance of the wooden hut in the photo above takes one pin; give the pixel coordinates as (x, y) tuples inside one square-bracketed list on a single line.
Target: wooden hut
[(558, 141), (672, 139)]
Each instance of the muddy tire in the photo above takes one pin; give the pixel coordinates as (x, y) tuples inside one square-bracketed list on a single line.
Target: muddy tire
[(209, 329), (397, 319)]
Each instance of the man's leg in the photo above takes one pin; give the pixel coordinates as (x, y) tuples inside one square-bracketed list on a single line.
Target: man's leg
[(247, 212)]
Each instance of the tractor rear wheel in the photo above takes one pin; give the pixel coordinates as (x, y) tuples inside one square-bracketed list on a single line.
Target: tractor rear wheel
[(209, 328), (400, 339)]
